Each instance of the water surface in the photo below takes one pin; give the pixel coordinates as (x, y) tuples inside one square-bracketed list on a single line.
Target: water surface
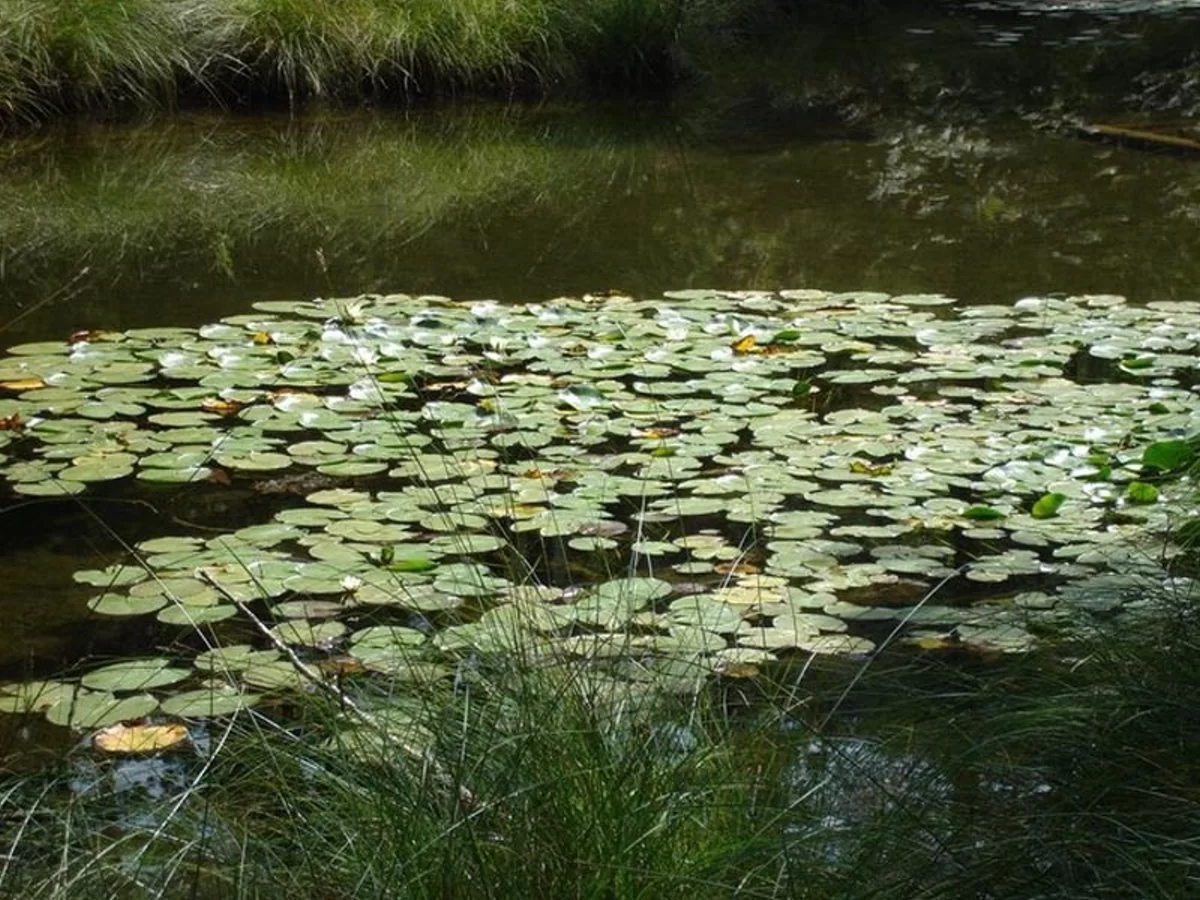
[(902, 156)]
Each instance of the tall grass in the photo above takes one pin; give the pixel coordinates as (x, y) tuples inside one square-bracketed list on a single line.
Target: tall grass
[(61, 54), (70, 54), (578, 788), (1050, 780)]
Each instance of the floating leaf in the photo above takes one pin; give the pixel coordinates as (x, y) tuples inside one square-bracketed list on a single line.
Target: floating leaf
[(1169, 456), (582, 397), (234, 658), (122, 605), (208, 702), (84, 709), (982, 513), (134, 675), (745, 344), (33, 696), (308, 634), (1048, 505), (1141, 492), (139, 740), (191, 616)]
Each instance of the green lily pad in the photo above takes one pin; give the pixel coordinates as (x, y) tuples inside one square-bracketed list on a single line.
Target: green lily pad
[(33, 696), (84, 709), (192, 616), (1048, 505), (208, 702), (124, 605), (308, 634), (234, 658), (274, 676), (134, 675)]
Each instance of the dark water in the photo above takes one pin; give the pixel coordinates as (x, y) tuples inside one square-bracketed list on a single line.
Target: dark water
[(891, 153), (925, 153)]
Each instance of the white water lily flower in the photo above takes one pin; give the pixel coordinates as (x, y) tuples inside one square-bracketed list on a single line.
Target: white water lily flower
[(352, 310), (599, 351), (365, 390), (364, 355), (351, 583)]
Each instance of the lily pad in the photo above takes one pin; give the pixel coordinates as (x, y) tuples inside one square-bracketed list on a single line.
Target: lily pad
[(208, 702), (134, 675), (84, 709)]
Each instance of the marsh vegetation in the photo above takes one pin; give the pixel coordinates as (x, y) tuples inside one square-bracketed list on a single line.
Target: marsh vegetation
[(67, 55), (602, 581)]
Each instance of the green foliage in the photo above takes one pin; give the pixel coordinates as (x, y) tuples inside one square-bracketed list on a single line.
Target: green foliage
[(1169, 456), (1047, 506), (59, 55), (575, 787), (74, 53)]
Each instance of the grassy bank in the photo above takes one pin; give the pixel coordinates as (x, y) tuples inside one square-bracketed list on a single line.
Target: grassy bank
[(62, 55)]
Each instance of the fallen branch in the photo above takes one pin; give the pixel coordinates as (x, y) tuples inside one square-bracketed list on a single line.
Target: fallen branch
[(1139, 137)]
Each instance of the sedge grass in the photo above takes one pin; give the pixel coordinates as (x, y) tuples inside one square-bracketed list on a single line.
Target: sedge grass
[(581, 789), (67, 54), (1034, 780), (64, 55)]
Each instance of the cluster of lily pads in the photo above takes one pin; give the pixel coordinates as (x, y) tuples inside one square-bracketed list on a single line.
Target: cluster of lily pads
[(699, 482)]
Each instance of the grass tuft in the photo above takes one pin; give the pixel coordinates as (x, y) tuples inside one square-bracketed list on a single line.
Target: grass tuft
[(580, 786), (68, 55), (72, 54)]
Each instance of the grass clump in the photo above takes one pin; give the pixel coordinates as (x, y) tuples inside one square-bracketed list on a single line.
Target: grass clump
[(71, 54), (576, 785), (64, 55)]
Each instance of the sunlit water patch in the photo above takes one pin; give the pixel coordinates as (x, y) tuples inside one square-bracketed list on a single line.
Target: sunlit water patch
[(672, 487)]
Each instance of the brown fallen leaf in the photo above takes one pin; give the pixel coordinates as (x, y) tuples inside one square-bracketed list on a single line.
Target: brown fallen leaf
[(738, 569), (139, 740), (221, 407), (738, 670)]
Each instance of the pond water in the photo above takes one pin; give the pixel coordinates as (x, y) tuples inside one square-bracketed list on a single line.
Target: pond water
[(902, 155)]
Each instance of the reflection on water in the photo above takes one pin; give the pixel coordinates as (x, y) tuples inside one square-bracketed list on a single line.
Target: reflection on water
[(191, 220), (900, 152)]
